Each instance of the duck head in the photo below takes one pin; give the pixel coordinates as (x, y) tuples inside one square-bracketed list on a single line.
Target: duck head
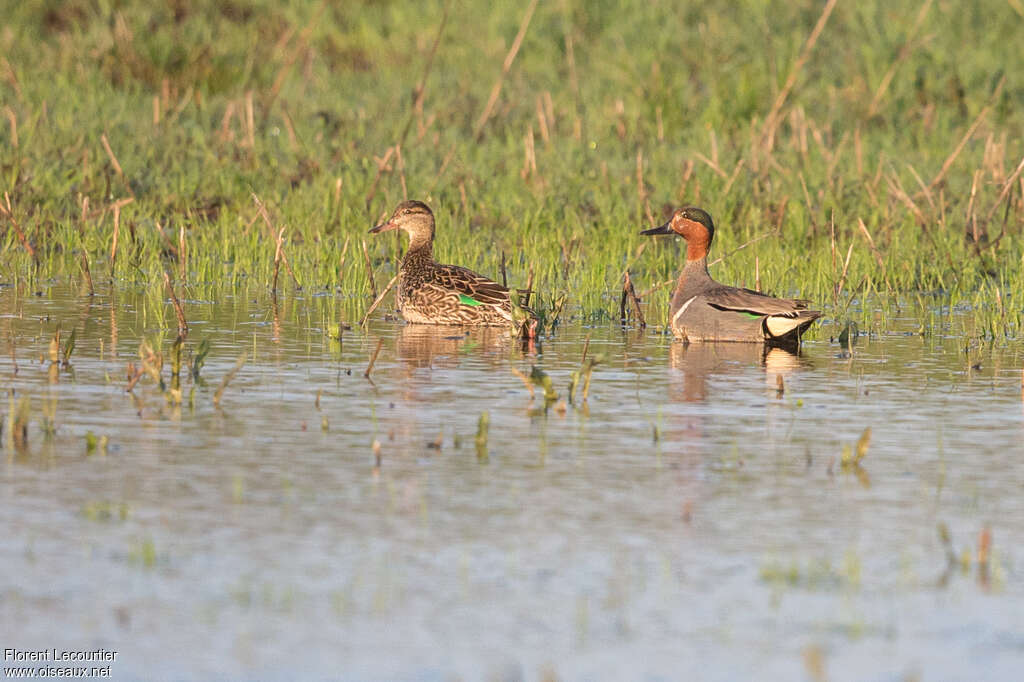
[(692, 224), (415, 218)]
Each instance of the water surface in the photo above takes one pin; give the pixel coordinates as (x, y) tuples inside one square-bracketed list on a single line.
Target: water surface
[(687, 521)]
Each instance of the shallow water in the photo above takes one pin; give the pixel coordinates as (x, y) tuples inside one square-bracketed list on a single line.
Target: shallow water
[(688, 520)]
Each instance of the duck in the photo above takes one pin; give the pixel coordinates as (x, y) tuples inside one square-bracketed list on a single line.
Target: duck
[(704, 310), (433, 293)]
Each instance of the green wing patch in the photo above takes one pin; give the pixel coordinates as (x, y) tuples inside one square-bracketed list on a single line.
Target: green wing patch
[(752, 315), (468, 300)]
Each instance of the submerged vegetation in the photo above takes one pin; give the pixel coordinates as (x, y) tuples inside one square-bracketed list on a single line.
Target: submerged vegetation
[(849, 150)]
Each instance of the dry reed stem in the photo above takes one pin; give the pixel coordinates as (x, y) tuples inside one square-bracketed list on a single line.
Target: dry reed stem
[(542, 122), (947, 164), (14, 125), (401, 170), (711, 164), (871, 243), (628, 292), (586, 347), (376, 301), (288, 267), (926, 191), (117, 230), (971, 218), (277, 260), (373, 358), (227, 378), (87, 272), (178, 312), (504, 274), (421, 87), (440, 173), (341, 261), (8, 212), (506, 65), (901, 57), (525, 379), (225, 123), (732, 178), (654, 288), (846, 266), (133, 379), (115, 164), (12, 78), (289, 126), (896, 188), (876, 253), (743, 246), (771, 121), (182, 252), (369, 270), (807, 199), (1007, 186), (382, 165), (250, 122), (279, 253), (529, 155), (302, 43), (641, 188), (110, 154)]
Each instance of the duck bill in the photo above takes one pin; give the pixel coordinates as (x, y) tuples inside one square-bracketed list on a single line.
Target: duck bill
[(384, 227), (660, 229)]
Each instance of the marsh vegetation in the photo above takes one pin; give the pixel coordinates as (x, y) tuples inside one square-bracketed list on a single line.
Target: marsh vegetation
[(219, 438)]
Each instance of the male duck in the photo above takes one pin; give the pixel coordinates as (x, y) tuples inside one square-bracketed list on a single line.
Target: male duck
[(704, 310), (431, 293)]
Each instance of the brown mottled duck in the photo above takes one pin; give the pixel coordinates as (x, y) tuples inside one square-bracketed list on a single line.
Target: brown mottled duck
[(432, 293)]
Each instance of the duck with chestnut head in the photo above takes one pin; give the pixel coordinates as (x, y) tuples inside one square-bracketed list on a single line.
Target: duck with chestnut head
[(704, 310), (432, 293)]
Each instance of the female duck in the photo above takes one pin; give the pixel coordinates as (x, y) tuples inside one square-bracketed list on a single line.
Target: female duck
[(431, 293), (704, 310)]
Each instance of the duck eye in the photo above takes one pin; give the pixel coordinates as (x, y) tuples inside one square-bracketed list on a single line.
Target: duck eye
[(407, 211)]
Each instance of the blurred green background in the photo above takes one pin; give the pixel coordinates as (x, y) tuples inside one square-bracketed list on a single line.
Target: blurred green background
[(609, 115)]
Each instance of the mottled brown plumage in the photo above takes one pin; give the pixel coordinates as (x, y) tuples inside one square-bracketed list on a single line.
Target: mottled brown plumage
[(432, 293), (704, 310)]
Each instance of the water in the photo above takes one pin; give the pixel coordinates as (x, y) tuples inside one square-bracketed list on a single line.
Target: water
[(687, 521)]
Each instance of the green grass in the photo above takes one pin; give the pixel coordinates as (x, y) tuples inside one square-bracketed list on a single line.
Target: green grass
[(332, 88)]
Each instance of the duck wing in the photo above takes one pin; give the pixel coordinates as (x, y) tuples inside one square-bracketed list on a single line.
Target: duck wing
[(465, 282), (749, 301)]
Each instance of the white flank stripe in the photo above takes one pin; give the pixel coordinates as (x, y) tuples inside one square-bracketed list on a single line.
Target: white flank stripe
[(682, 309), (780, 326)]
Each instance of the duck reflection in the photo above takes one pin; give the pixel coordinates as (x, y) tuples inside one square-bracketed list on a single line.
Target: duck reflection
[(695, 369), (697, 362), (445, 346)]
